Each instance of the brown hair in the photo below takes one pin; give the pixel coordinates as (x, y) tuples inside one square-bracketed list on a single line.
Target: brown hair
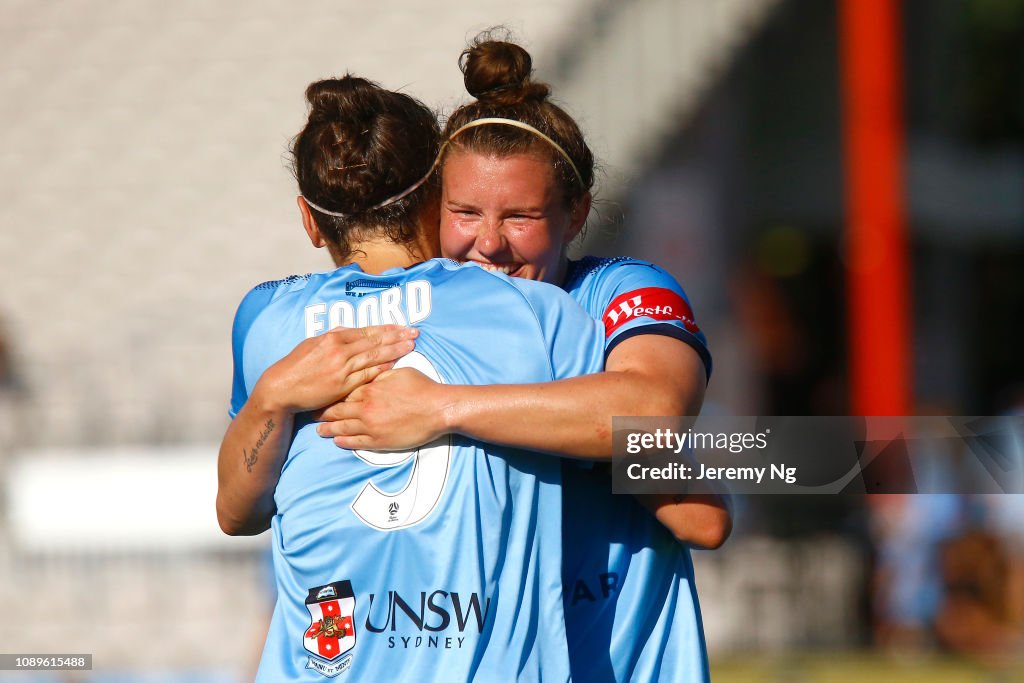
[(497, 73), (361, 145)]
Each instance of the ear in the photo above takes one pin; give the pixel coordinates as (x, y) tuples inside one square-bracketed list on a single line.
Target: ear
[(309, 223), (578, 217)]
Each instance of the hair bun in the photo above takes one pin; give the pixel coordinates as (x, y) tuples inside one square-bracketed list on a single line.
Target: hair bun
[(343, 99), (499, 71)]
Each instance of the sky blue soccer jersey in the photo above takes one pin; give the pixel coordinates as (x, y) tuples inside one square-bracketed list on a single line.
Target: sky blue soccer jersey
[(439, 564), (630, 598)]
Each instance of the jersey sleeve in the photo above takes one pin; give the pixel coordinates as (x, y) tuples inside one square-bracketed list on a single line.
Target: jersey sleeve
[(253, 303), (645, 299), (574, 340)]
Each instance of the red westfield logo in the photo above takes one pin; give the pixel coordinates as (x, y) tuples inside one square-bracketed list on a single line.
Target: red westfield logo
[(651, 302)]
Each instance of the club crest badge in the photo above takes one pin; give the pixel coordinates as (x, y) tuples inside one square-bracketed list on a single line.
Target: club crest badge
[(331, 633)]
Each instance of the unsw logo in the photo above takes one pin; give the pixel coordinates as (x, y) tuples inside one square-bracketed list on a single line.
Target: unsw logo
[(439, 620), (649, 302), (331, 631)]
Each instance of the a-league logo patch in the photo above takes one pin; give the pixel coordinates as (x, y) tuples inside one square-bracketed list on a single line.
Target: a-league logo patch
[(331, 631)]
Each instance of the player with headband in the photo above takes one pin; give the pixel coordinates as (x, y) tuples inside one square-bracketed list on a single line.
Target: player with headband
[(436, 564), (516, 175)]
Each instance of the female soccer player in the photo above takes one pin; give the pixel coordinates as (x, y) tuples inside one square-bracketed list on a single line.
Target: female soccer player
[(439, 564), (516, 181)]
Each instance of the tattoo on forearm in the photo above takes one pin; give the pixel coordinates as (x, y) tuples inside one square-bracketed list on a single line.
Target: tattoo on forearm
[(250, 457)]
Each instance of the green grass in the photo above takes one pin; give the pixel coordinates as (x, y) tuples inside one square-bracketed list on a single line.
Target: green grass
[(857, 668)]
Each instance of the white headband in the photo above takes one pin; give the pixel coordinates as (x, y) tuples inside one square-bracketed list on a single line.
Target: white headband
[(516, 124), (440, 155)]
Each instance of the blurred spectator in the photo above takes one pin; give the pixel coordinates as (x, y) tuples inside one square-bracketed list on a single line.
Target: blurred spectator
[(11, 400), (993, 565), (8, 377), (910, 531), (974, 618)]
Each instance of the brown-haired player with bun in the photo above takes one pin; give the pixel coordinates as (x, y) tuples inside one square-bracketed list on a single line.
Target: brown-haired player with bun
[(516, 181), (441, 563)]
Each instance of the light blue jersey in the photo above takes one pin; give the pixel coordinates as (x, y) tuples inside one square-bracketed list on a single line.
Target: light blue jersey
[(440, 564), (631, 605)]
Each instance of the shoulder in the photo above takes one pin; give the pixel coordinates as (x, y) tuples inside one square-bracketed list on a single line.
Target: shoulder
[(634, 297), (616, 275), (604, 286), (545, 299), (550, 306), (262, 295), (266, 292)]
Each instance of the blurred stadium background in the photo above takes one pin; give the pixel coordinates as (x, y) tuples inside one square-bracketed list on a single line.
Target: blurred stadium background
[(145, 189)]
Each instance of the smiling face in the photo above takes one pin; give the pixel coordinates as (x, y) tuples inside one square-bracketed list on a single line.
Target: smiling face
[(508, 214)]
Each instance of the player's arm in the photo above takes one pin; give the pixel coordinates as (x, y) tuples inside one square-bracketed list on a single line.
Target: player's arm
[(318, 372), (702, 520), (248, 465), (701, 517), (656, 363), (645, 375)]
